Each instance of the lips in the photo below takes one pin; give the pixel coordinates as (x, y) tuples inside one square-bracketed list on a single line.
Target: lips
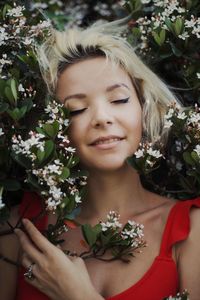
[(106, 140)]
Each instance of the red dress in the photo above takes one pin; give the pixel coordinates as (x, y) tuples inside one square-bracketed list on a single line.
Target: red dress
[(160, 281)]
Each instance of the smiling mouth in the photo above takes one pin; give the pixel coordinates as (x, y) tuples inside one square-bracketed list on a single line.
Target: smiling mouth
[(108, 141)]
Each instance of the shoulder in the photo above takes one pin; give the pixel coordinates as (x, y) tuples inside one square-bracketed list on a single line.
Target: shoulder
[(188, 255), (191, 243), (9, 244)]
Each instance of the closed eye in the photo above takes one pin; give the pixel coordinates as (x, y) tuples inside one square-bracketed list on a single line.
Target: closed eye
[(76, 112), (125, 100)]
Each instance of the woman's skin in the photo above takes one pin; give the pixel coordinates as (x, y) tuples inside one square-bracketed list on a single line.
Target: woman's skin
[(103, 104)]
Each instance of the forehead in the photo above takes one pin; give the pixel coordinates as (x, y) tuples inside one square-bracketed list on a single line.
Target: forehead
[(91, 74)]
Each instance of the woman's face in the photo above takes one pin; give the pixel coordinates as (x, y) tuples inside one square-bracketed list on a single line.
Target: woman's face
[(106, 117)]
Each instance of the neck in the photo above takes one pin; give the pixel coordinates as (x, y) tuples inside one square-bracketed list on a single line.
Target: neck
[(120, 191)]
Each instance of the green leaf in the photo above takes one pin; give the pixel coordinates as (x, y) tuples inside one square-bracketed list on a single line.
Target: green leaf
[(3, 107), (175, 50), (169, 25), (49, 129), (5, 9), (159, 38), (11, 185), (195, 156), (188, 159), (73, 214), (28, 103), (162, 36), (65, 173), (48, 148), (9, 95), (178, 26), (156, 37), (40, 155), (17, 113), (13, 87), (2, 87), (21, 160), (32, 180), (40, 130), (90, 234)]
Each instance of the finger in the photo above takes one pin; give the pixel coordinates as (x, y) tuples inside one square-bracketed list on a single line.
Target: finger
[(42, 243), (26, 261), (27, 246)]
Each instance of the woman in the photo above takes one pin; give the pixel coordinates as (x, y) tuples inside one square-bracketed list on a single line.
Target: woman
[(114, 100)]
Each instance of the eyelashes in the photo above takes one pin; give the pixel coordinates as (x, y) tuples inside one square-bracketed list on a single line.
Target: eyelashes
[(76, 112), (79, 111), (125, 100)]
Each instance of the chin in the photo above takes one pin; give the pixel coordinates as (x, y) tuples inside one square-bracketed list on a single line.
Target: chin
[(110, 166)]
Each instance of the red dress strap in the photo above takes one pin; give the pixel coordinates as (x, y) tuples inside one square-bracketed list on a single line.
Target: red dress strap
[(31, 208), (178, 225)]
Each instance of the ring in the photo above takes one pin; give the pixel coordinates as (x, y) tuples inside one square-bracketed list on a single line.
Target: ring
[(29, 273)]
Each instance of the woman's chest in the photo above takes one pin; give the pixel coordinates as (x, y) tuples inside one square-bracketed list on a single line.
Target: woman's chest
[(111, 278)]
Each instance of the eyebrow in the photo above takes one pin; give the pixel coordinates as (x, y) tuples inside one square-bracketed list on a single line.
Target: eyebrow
[(108, 89)]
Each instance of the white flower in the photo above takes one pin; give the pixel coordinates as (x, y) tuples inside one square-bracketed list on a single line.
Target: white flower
[(194, 119), (168, 123), (181, 116), (190, 23), (169, 114), (70, 149), (77, 199), (184, 35), (112, 221), (132, 223), (1, 132), (1, 203), (39, 5), (198, 75), (54, 169), (27, 41), (139, 153), (197, 150), (154, 153), (16, 11), (56, 192), (3, 36), (145, 1), (21, 88)]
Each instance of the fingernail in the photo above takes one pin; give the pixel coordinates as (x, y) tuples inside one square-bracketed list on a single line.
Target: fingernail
[(24, 221)]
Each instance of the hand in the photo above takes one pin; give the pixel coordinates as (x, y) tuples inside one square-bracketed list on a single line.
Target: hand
[(55, 274)]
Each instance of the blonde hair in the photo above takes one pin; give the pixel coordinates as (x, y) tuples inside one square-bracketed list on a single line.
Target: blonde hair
[(74, 44)]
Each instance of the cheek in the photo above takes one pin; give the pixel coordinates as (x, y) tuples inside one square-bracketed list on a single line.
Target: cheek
[(75, 133)]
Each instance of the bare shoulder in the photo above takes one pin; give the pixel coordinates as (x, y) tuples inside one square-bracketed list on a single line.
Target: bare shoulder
[(9, 244), (188, 258), (9, 248)]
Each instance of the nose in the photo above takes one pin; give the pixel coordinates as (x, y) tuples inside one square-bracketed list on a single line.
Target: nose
[(101, 117)]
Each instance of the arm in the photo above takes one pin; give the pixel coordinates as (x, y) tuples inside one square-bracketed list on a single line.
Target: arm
[(55, 274), (9, 247), (189, 258)]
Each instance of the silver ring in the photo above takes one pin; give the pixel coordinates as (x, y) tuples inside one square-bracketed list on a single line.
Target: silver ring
[(29, 273)]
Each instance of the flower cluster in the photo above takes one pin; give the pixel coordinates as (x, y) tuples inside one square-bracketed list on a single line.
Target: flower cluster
[(17, 31), (146, 158), (51, 157), (179, 296), (181, 158), (110, 240), (134, 232), (112, 221), (166, 13)]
